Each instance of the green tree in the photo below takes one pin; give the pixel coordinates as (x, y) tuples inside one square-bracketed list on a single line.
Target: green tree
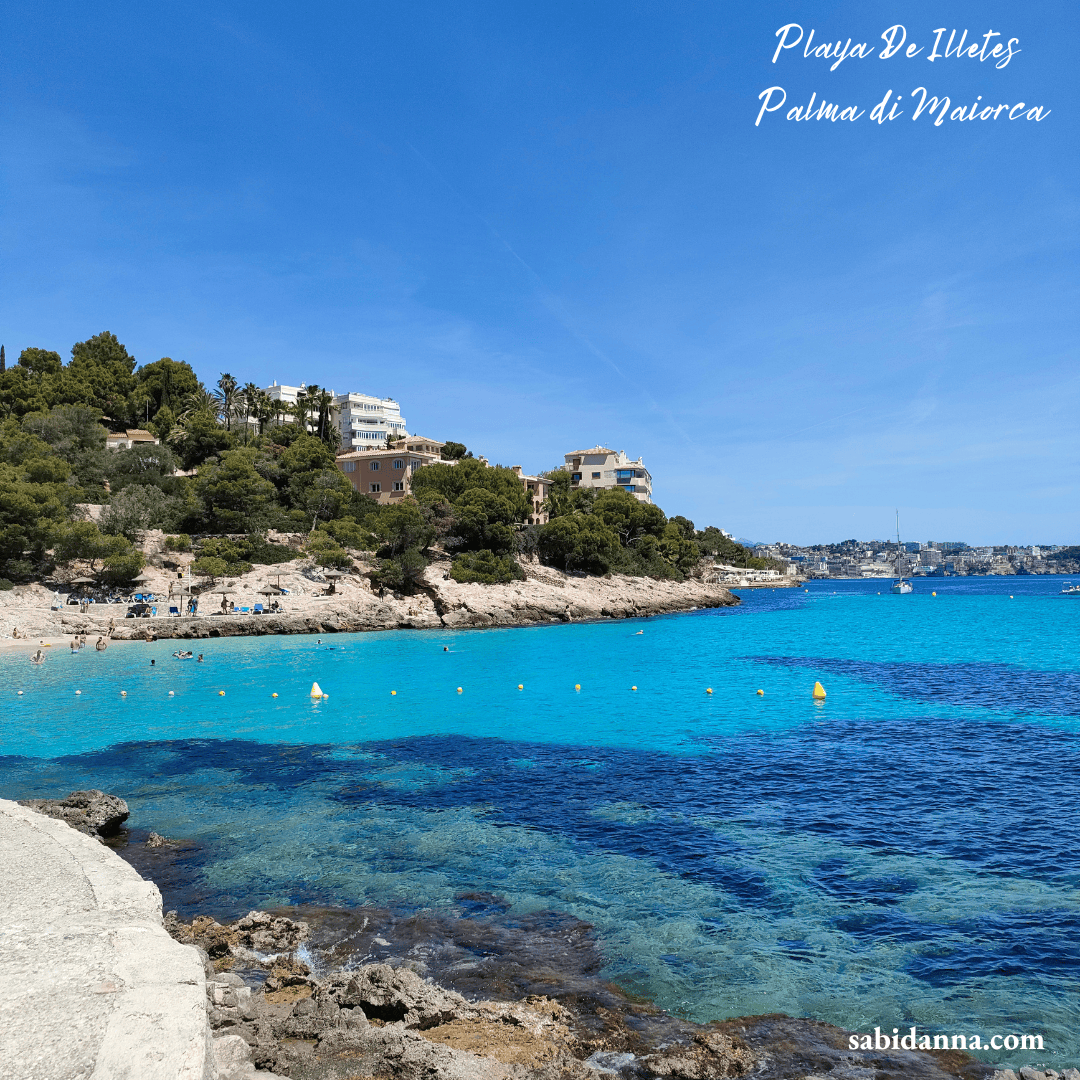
[(454, 451), (578, 542), (452, 481), (484, 520), (197, 437), (139, 507), (167, 383), (401, 526), (105, 366), (627, 516), (40, 362), (235, 497)]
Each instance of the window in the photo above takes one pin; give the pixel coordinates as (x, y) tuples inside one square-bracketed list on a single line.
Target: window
[(374, 466), (399, 485), (575, 477), (596, 476), (399, 464), (350, 466), (374, 488)]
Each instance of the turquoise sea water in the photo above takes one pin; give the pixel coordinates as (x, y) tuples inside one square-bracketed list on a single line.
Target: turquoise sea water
[(906, 852)]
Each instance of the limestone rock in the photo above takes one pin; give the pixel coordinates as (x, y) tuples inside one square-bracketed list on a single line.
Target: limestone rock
[(233, 1057), (396, 994), (406, 1055), (265, 933), (92, 812), (711, 1056)]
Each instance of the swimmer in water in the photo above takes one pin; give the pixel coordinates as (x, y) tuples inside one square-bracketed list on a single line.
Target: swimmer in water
[(200, 658), (152, 663)]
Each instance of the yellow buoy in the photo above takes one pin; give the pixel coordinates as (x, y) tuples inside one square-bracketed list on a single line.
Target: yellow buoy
[(393, 693), (819, 691), (933, 594), (221, 693), (761, 693), (172, 693), (77, 693), (273, 695), (577, 686), (633, 687), (521, 686), (123, 693), (708, 689), (316, 690), (459, 689)]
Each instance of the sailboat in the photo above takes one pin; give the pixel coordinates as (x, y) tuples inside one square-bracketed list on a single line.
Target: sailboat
[(900, 585)]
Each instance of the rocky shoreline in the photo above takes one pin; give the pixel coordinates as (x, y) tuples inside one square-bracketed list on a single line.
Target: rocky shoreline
[(545, 596), (471, 991), (277, 1002)]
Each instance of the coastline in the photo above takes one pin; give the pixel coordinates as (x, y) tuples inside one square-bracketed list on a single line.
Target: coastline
[(545, 596)]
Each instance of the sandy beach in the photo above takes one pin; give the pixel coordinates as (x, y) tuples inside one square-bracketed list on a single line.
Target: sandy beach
[(39, 615)]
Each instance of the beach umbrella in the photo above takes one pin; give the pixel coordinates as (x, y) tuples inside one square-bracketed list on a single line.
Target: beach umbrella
[(225, 590), (82, 581), (143, 577), (269, 591), (333, 573)]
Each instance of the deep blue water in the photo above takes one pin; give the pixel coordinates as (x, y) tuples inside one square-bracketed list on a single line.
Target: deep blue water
[(905, 852)]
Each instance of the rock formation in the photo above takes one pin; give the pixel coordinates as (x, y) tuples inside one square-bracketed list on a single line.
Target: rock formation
[(91, 812)]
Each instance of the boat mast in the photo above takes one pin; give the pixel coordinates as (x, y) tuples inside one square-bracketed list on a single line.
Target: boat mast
[(899, 577)]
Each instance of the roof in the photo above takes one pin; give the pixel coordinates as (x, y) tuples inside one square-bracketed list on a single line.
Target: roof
[(421, 438), (397, 451), (593, 450)]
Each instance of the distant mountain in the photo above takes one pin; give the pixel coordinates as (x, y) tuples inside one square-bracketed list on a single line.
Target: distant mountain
[(752, 543)]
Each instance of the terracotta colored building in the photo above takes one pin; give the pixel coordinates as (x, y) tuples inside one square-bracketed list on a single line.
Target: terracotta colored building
[(386, 475)]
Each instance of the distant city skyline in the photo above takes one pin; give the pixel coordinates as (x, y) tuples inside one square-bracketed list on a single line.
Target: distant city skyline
[(546, 227)]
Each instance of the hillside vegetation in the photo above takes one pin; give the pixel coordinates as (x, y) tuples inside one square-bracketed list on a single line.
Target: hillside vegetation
[(217, 483)]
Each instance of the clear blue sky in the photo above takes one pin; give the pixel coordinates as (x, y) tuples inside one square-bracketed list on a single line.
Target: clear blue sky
[(542, 225)]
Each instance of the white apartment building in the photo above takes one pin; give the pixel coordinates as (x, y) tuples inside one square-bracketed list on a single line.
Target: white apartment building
[(363, 421), (604, 468)]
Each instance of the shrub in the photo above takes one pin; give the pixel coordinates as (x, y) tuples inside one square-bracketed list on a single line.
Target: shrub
[(178, 543), (120, 569), (216, 567), (328, 552), (485, 567), (402, 573), (5, 585)]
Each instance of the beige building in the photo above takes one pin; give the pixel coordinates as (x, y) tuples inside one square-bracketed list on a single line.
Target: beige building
[(604, 468), (386, 475), (125, 440), (537, 488)]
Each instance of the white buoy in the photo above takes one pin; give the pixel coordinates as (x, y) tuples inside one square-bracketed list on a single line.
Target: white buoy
[(316, 691)]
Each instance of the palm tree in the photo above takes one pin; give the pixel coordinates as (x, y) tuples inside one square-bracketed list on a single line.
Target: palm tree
[(228, 397), (323, 403), (303, 406), (264, 410), (201, 401)]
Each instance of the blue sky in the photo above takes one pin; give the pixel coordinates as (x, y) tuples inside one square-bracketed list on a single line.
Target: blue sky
[(540, 226)]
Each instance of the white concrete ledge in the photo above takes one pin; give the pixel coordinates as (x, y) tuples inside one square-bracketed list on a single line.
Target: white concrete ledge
[(91, 985)]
